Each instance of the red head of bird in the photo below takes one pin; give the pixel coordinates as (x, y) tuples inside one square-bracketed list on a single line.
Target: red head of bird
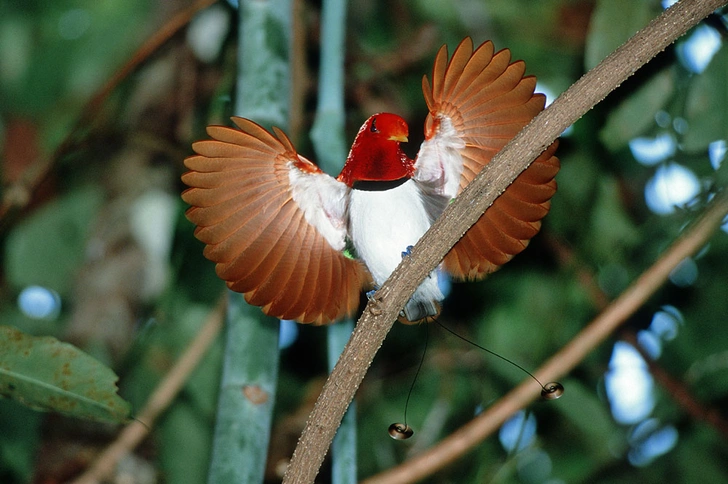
[(376, 154)]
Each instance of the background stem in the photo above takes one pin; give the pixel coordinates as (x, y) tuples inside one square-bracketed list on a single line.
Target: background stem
[(328, 136), (250, 367)]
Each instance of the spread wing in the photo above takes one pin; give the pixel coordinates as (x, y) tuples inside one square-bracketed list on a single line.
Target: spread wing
[(273, 223), (479, 101)]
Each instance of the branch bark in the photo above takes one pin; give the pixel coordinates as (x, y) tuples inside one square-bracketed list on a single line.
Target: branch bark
[(382, 310)]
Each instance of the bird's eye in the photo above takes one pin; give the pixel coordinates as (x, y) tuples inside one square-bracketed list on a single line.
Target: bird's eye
[(373, 127)]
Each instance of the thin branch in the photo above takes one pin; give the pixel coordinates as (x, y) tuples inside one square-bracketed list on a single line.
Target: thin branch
[(679, 391), (676, 389), (160, 399), (19, 194), (382, 310), (462, 440)]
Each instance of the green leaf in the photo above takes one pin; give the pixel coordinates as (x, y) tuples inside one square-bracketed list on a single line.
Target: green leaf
[(705, 105), (19, 440), (636, 114), (47, 248), (46, 374), (612, 23), (612, 231), (185, 438)]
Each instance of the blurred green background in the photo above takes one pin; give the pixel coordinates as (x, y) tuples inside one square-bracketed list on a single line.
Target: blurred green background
[(102, 250)]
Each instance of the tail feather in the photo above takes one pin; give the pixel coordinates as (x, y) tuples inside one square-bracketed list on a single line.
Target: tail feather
[(417, 310)]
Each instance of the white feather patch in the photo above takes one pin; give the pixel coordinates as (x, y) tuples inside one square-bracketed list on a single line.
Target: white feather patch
[(439, 164), (323, 200)]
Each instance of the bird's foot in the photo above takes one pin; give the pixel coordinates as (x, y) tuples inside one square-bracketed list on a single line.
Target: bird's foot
[(373, 305), (407, 251)]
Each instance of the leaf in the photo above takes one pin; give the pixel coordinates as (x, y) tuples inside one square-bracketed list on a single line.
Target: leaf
[(705, 105), (19, 441), (612, 231), (636, 114), (185, 438), (46, 374), (586, 420), (612, 23), (34, 257)]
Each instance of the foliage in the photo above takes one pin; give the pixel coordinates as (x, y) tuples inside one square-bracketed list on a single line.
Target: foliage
[(46, 374), (105, 230)]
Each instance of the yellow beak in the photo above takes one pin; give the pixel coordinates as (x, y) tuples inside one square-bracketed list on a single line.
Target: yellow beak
[(402, 138)]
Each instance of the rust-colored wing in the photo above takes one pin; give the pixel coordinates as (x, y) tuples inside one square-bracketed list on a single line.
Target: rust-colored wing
[(479, 101), (273, 223)]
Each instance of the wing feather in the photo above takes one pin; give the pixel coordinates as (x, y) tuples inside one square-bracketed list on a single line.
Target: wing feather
[(293, 271), (255, 262), (480, 58), (322, 284), (232, 236), (210, 212), (457, 64), (478, 101), (304, 288), (497, 88), (273, 223), (270, 293)]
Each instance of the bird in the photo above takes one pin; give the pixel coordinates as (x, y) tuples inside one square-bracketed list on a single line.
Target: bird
[(304, 245)]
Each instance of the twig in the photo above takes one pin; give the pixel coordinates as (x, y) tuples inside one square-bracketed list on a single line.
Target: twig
[(382, 310), (163, 395), (678, 391), (20, 193), (565, 360)]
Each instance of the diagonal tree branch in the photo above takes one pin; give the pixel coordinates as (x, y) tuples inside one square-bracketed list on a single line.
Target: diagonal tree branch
[(462, 440), (382, 311)]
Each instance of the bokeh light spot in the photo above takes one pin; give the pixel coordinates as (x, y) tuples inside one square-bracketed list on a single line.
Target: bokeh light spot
[(666, 322), (288, 333), (39, 302), (649, 441), (629, 385), (696, 52), (672, 186), (650, 343), (650, 151), (716, 153), (685, 274), (518, 432), (663, 118), (207, 32)]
